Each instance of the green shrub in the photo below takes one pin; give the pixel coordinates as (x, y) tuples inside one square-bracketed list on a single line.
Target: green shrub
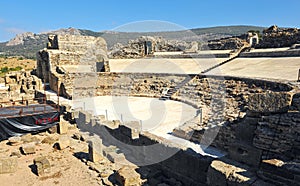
[(4, 69)]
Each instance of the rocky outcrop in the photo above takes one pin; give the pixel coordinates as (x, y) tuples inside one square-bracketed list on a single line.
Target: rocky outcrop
[(20, 39)]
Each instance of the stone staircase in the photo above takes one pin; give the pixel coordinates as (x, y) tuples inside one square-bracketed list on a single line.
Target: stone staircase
[(174, 89)]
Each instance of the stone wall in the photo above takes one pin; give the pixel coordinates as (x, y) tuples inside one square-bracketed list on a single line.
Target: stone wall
[(71, 51), (102, 84), (286, 53), (230, 43), (20, 86), (267, 133), (275, 37), (185, 165)]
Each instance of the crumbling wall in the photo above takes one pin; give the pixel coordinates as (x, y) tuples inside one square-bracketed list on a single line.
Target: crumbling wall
[(230, 43), (20, 86), (72, 50), (267, 134), (185, 166), (102, 84), (275, 37), (147, 45)]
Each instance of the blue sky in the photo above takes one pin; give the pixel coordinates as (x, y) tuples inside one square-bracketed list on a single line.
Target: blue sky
[(39, 16)]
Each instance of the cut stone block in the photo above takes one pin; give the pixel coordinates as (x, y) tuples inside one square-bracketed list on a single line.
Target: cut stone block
[(95, 150), (115, 157), (42, 165), (15, 140), (63, 142), (127, 176), (28, 148), (63, 127), (227, 173)]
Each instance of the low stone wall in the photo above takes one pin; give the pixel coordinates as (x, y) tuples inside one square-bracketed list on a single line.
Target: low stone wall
[(185, 165), (102, 84), (287, 53), (194, 55)]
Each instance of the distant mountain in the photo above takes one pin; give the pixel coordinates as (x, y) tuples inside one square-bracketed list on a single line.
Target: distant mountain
[(27, 44)]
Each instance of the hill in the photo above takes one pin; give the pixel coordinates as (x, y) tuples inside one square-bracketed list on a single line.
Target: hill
[(27, 44)]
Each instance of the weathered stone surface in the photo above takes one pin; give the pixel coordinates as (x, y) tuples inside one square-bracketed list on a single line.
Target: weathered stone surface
[(245, 154), (63, 127), (269, 102), (28, 138), (29, 148), (42, 165), (277, 172), (21, 85), (16, 153), (8, 165), (279, 133), (115, 157), (275, 37), (14, 141), (127, 176), (222, 173), (63, 142), (147, 45), (229, 43), (49, 140), (95, 150)]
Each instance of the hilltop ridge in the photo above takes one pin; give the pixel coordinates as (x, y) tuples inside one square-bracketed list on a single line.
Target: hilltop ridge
[(26, 44)]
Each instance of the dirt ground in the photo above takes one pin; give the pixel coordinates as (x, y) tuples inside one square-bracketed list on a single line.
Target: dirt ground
[(66, 166)]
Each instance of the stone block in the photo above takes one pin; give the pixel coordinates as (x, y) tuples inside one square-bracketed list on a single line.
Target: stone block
[(115, 157), (8, 165), (15, 140), (95, 149), (63, 142), (53, 129), (63, 127), (135, 134), (49, 140), (16, 153), (227, 173), (127, 176), (28, 148), (110, 124), (29, 138), (42, 165)]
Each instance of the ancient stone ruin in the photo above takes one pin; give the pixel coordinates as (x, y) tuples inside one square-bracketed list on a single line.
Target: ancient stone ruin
[(147, 45), (275, 37), (67, 54), (249, 126), (19, 86)]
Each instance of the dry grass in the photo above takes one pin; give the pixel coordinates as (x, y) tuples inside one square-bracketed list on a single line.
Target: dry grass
[(13, 62)]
